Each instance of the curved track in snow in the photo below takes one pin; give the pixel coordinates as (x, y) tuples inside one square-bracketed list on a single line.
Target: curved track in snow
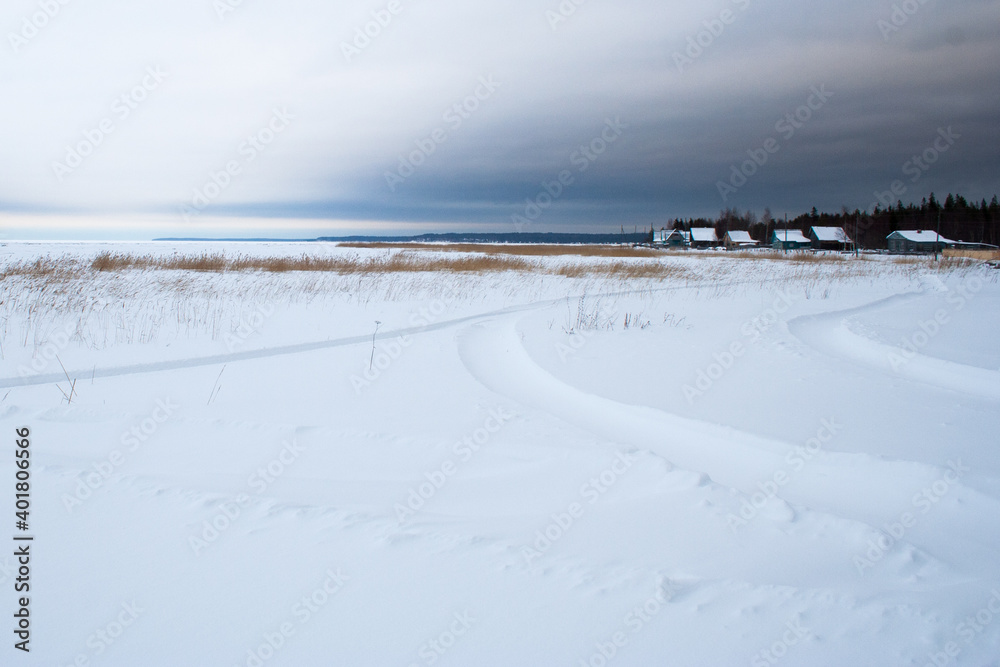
[(266, 352), (493, 354), (261, 353), (829, 333)]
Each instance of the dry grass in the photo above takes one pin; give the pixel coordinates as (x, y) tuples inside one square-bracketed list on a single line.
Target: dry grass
[(928, 263), (621, 270), (107, 261), (986, 255), (477, 259), (402, 262), (43, 267), (521, 250), (219, 263), (797, 257)]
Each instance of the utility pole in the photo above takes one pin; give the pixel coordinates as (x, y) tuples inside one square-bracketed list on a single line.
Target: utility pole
[(785, 244), (937, 242), (857, 225)]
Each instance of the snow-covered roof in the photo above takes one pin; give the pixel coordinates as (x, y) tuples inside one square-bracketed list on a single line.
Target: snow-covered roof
[(922, 236), (739, 237), (793, 236), (983, 246), (704, 234), (833, 234)]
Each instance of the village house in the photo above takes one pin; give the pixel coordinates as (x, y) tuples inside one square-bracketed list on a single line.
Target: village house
[(671, 238), (829, 238), (789, 239), (704, 237), (738, 240), (907, 242)]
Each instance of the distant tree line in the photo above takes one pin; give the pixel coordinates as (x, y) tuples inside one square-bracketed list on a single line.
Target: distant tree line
[(961, 220)]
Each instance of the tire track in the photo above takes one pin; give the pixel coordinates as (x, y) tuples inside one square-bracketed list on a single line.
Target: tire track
[(299, 348), (828, 333)]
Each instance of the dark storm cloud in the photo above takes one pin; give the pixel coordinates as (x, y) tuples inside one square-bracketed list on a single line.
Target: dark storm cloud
[(450, 112)]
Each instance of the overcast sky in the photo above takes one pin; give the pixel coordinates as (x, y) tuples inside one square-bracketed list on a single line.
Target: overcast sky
[(268, 118)]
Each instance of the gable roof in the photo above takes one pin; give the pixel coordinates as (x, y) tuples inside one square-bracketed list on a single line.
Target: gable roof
[(665, 235), (704, 234), (737, 236), (794, 236), (834, 234), (922, 236)]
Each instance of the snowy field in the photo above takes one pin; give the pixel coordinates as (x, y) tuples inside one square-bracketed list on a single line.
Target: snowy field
[(728, 461)]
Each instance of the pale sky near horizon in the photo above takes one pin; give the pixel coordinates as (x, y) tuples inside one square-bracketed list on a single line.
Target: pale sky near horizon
[(260, 118)]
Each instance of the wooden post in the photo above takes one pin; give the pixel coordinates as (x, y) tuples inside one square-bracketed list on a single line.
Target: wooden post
[(937, 241)]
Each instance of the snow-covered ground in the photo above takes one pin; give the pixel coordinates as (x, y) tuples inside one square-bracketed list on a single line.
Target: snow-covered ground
[(773, 463)]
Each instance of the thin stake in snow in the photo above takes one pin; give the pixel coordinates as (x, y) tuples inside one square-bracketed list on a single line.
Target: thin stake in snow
[(72, 383), (372, 360), (214, 393)]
